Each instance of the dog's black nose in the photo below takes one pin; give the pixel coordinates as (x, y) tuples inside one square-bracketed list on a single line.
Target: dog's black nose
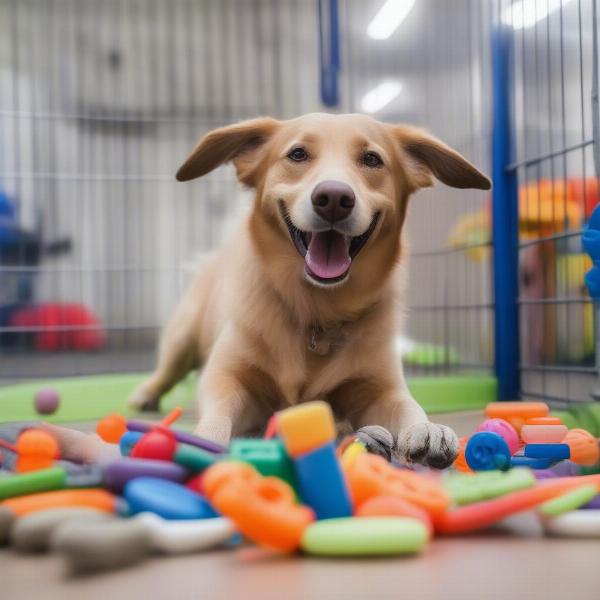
[(333, 200)]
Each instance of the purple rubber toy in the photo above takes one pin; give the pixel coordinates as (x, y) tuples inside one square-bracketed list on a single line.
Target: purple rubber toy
[(180, 436), (46, 401)]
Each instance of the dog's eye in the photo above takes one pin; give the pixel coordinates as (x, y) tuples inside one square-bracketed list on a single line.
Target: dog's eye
[(371, 159), (298, 154)]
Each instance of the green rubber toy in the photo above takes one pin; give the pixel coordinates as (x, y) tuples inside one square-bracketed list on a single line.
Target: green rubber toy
[(468, 488), (194, 459), (43, 480), (570, 501), (268, 457), (365, 536)]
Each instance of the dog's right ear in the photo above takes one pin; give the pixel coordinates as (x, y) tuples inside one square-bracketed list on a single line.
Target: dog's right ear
[(240, 143)]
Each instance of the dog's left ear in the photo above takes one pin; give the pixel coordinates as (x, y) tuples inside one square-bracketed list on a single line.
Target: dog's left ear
[(429, 156), (240, 143)]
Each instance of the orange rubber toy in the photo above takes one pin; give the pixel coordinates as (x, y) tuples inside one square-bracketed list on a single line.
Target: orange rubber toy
[(392, 506), (263, 508), (36, 450), (584, 447), (87, 498), (516, 413), (112, 428), (369, 475), (483, 514)]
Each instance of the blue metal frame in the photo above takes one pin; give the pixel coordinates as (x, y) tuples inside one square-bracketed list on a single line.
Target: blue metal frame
[(505, 222), (329, 51)]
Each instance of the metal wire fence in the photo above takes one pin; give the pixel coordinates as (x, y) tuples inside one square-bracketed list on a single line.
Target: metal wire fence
[(554, 71), (101, 100)]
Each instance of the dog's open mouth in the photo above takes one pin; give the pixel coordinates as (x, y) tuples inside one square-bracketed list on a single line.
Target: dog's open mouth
[(327, 254)]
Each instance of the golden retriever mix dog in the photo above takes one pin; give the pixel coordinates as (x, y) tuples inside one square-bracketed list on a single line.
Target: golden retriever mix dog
[(302, 303)]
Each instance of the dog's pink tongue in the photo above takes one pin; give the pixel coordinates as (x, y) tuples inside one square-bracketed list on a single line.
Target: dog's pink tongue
[(327, 255)]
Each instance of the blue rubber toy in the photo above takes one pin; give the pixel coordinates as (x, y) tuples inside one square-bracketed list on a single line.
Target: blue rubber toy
[(487, 451), (167, 499), (128, 440), (554, 452), (532, 463), (591, 244), (321, 483)]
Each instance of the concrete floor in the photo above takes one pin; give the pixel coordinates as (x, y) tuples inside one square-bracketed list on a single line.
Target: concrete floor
[(514, 561)]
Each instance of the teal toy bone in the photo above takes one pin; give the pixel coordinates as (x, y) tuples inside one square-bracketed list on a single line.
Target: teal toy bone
[(591, 244)]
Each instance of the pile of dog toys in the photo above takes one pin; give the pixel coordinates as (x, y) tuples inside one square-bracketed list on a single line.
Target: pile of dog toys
[(294, 490)]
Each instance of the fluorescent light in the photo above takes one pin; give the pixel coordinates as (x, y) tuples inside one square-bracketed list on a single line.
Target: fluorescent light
[(388, 18), (380, 96), (522, 14)]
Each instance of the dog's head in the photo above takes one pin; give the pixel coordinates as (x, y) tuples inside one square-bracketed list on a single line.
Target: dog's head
[(331, 188)]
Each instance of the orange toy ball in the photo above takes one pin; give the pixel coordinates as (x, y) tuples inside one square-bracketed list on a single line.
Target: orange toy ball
[(112, 428), (584, 447), (460, 464), (38, 443), (36, 450)]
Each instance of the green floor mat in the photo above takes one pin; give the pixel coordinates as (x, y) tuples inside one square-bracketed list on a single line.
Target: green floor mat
[(453, 392), (93, 397), (85, 398)]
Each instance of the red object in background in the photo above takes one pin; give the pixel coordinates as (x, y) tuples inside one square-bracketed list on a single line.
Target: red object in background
[(61, 327)]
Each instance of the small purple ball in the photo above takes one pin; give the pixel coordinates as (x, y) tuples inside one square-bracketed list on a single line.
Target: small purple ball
[(46, 401)]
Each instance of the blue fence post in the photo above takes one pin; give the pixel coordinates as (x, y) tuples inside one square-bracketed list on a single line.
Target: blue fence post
[(505, 222), (329, 51)]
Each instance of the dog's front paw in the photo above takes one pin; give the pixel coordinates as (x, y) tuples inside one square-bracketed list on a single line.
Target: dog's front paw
[(378, 440), (140, 399), (429, 444)]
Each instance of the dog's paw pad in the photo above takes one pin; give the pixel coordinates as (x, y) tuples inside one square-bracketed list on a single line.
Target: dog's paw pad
[(378, 440), (429, 444)]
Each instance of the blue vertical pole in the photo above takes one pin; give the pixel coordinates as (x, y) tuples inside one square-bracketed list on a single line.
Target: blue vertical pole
[(505, 222), (329, 51)]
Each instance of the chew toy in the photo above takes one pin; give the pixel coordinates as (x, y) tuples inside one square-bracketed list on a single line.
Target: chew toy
[(178, 537), (486, 451), (579, 523), (371, 475), (321, 483), (36, 449), (569, 501), (391, 506), (553, 452), (306, 427), (368, 536), (42, 480), (584, 447), (92, 498), (167, 499), (483, 514), (32, 533), (118, 473), (46, 401), (516, 413), (262, 508), (90, 546)]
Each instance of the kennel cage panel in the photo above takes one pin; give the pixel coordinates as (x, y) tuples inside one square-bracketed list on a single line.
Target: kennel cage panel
[(101, 100), (554, 71), (441, 57)]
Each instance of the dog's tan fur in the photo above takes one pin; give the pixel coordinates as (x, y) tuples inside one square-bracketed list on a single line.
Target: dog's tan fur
[(250, 314)]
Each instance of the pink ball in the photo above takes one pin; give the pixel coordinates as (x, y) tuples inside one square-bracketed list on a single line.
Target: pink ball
[(46, 401), (504, 429)]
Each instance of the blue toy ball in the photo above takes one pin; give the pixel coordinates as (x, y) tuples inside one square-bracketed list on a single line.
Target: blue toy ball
[(487, 451)]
